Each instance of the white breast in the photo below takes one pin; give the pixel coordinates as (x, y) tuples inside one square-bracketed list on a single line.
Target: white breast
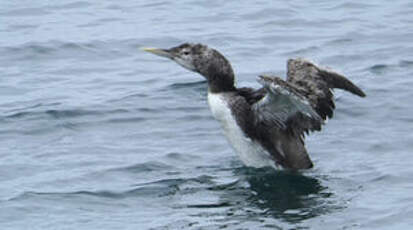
[(250, 152)]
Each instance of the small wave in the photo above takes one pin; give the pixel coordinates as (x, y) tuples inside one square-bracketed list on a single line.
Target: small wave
[(196, 84), (100, 22), (26, 12), (189, 89), (159, 188), (47, 47), (338, 42), (406, 63), (212, 205), (202, 179), (70, 113), (54, 113), (179, 156), (127, 120), (352, 5), (303, 51), (155, 4), (378, 68), (383, 68), (130, 96), (137, 192), (144, 167), (60, 113), (72, 5), (89, 50)]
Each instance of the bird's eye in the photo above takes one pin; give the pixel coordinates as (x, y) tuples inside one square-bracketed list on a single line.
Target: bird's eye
[(186, 52)]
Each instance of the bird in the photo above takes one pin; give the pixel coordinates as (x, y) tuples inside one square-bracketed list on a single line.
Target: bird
[(266, 126)]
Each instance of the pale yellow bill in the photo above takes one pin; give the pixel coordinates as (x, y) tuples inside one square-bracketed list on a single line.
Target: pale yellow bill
[(157, 51)]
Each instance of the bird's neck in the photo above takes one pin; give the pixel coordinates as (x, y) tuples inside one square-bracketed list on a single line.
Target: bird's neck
[(221, 83), (219, 74)]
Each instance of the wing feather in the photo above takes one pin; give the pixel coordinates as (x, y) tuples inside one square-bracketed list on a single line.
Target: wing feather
[(284, 107), (282, 111), (316, 84)]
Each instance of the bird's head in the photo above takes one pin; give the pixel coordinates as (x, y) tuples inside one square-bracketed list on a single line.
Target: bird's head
[(201, 59)]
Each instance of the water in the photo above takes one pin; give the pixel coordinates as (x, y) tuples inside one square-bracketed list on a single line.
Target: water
[(96, 134)]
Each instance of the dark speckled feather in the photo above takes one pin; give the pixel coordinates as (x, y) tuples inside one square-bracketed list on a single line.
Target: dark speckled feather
[(286, 107), (252, 95), (316, 83)]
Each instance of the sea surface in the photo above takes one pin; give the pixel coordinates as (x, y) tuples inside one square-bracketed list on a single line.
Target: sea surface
[(97, 134)]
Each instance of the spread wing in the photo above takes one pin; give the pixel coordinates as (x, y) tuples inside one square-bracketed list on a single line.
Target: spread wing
[(316, 84), (284, 107), (281, 117), (303, 101), (288, 109)]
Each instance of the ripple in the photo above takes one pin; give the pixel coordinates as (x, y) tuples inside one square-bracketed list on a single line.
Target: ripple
[(26, 12), (379, 68), (144, 167), (339, 42), (137, 192), (130, 96), (303, 51), (56, 49), (203, 179), (352, 5), (188, 89), (218, 205), (406, 64), (57, 114), (188, 85), (126, 120), (72, 5)]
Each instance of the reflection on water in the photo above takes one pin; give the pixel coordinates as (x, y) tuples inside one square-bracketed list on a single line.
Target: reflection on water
[(286, 196)]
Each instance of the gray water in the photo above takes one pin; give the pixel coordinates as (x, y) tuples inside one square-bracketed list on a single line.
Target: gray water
[(96, 134)]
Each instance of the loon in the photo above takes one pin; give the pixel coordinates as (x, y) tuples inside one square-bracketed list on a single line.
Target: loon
[(265, 126)]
